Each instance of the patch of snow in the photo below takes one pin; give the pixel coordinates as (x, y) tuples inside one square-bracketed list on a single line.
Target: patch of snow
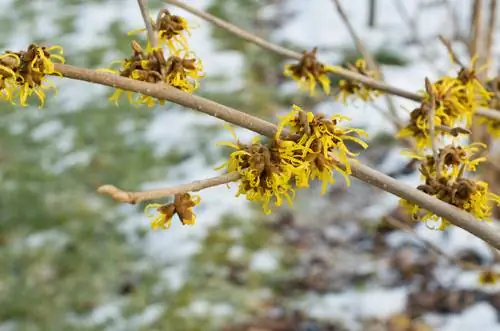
[(201, 307), (236, 252), (264, 261), (46, 130), (481, 316), (53, 237), (350, 305), (150, 314)]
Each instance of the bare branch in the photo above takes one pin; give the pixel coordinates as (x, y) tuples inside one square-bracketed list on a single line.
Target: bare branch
[(153, 40), (370, 61), (475, 42), (452, 53), (137, 197), (491, 32), (432, 110)]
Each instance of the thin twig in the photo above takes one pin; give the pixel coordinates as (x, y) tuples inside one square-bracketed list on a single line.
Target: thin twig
[(490, 34), (431, 115), (452, 53), (153, 40), (449, 212), (137, 197), (370, 61), (476, 21)]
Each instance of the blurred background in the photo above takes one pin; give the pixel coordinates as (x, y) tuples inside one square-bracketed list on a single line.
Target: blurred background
[(71, 259)]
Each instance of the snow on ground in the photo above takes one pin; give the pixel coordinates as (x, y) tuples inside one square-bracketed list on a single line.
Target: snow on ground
[(350, 305)]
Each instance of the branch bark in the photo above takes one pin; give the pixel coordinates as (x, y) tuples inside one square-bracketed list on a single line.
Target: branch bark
[(137, 197)]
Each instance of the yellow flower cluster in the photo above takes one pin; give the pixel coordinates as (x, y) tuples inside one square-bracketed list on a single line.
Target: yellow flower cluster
[(172, 31), (308, 72), (488, 277), (492, 126), (182, 206), (456, 100), (348, 88), (444, 180), (182, 69), (23, 73), (452, 101), (270, 173)]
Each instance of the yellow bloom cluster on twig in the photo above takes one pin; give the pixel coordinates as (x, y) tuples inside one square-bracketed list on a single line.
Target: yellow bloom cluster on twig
[(349, 88), (24, 73), (456, 99), (308, 72), (172, 31), (181, 70), (444, 179), (449, 102), (177, 71), (271, 172), (182, 206)]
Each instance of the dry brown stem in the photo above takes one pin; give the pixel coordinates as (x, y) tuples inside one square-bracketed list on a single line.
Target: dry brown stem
[(370, 61), (137, 197), (153, 40)]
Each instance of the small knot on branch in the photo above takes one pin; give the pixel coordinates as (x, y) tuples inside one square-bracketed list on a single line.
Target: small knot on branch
[(117, 194)]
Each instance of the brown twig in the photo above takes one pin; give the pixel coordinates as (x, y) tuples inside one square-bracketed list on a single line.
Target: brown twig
[(451, 213), (153, 40), (370, 61), (137, 197), (452, 53), (490, 34), (431, 115), (476, 21)]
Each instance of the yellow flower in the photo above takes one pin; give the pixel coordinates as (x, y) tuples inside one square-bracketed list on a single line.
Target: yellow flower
[(468, 195), (163, 219), (180, 70), (265, 176), (309, 71), (492, 126), (172, 31), (321, 143), (488, 277), (182, 206), (349, 88), (183, 72), (23, 73)]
